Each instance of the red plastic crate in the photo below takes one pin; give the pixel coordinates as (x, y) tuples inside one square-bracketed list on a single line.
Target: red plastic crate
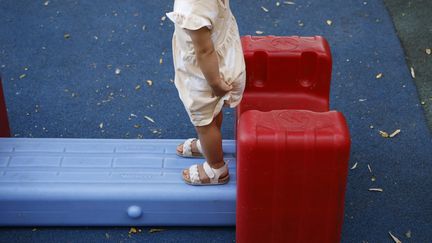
[(291, 176)]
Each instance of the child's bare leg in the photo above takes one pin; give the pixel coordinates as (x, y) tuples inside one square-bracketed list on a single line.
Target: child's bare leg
[(211, 141), (218, 119)]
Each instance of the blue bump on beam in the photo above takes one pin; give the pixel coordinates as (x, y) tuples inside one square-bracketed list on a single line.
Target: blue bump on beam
[(107, 182)]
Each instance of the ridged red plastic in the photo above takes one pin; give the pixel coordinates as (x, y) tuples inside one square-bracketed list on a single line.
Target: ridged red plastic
[(286, 72), (291, 176), (4, 123), (292, 152)]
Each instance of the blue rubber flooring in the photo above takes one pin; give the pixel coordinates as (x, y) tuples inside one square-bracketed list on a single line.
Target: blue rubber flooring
[(82, 69)]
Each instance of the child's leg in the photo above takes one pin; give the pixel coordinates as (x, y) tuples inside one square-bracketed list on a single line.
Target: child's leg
[(218, 119), (211, 141)]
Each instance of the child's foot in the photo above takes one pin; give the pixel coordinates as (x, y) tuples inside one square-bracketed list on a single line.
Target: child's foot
[(190, 148), (205, 175)]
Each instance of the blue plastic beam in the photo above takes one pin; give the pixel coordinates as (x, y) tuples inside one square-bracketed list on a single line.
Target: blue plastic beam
[(107, 182)]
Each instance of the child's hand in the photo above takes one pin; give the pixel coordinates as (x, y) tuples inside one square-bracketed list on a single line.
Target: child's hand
[(221, 88)]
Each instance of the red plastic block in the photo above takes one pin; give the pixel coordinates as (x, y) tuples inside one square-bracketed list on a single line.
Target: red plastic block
[(4, 124), (291, 174), (286, 72)]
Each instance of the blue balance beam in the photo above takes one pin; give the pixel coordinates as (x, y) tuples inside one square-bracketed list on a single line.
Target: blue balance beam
[(105, 182)]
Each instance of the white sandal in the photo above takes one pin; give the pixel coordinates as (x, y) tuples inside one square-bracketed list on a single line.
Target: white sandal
[(213, 175), (187, 149)]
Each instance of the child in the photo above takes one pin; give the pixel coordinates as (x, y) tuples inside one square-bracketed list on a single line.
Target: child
[(209, 73)]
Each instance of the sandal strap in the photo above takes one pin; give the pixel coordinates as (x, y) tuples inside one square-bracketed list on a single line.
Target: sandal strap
[(194, 174), (198, 144), (187, 147), (214, 174)]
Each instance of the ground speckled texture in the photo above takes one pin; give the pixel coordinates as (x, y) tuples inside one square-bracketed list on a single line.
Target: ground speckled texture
[(58, 61)]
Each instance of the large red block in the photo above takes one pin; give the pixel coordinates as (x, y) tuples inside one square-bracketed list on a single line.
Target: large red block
[(286, 72), (291, 175)]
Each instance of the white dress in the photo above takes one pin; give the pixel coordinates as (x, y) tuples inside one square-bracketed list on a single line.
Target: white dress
[(194, 91)]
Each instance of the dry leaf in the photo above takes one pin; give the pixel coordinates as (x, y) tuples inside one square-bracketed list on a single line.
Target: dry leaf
[(137, 87), (149, 82), (395, 133), (117, 71), (329, 22), (22, 76), (34, 229), (160, 60), (379, 75), (428, 51), (156, 230), (354, 166), (137, 125), (259, 32), (149, 118), (133, 230), (163, 18), (408, 234), (376, 190), (412, 72), (101, 125), (289, 2), (107, 235), (369, 168), (66, 36), (384, 134), (396, 240), (264, 9)]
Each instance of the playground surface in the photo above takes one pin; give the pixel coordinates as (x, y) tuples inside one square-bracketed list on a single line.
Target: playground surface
[(103, 69)]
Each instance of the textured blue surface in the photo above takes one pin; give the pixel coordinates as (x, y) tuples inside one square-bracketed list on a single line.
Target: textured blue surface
[(83, 182), (67, 79)]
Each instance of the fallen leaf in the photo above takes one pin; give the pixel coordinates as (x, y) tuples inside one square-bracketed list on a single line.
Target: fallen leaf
[(163, 18), (137, 125), (408, 234), (156, 230), (160, 60), (329, 22), (101, 125), (259, 32), (423, 103), (379, 75), (395, 133), (373, 178), (34, 229), (117, 71), (22, 76), (376, 189), (384, 134), (412, 72), (264, 9), (133, 230), (289, 2), (369, 168), (396, 240), (107, 235), (66, 36), (137, 87), (354, 166), (149, 118), (149, 82), (428, 51)]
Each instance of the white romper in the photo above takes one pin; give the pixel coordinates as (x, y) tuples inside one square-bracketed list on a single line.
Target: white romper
[(194, 91)]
